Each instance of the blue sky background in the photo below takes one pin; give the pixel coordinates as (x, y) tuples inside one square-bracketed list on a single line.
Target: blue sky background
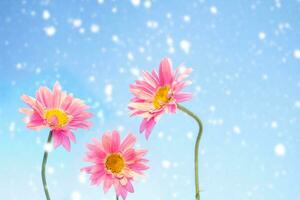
[(246, 85)]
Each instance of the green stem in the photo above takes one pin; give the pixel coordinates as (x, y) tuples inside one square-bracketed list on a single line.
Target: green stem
[(197, 119), (44, 168), (117, 197)]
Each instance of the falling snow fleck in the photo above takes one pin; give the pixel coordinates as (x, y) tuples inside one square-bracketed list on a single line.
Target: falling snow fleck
[(236, 130), (50, 170), (213, 10), (76, 22), (19, 66), (75, 195), (130, 56), (279, 150), (166, 164), (152, 24), (135, 2), (135, 71), (82, 178), (38, 70), (95, 28), (50, 31), (186, 18), (92, 79), (12, 127), (147, 4), (48, 147), (114, 10), (185, 46), (46, 15), (81, 30), (262, 35), (115, 38), (160, 135), (190, 135), (108, 92), (212, 108), (265, 77), (274, 125), (297, 104), (171, 48), (297, 53)]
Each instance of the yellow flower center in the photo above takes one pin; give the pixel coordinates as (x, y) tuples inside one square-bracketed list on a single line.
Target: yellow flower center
[(115, 163), (56, 118), (161, 97)]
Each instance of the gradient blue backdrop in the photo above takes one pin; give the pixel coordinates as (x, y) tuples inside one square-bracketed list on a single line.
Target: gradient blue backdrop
[(246, 85)]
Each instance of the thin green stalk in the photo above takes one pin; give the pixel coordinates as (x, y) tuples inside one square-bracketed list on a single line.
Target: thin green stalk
[(44, 168), (197, 119), (117, 197)]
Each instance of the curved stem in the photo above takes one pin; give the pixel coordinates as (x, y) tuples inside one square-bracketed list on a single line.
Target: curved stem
[(45, 158), (197, 119)]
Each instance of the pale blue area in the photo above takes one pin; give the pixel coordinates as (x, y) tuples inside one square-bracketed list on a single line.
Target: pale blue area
[(240, 82)]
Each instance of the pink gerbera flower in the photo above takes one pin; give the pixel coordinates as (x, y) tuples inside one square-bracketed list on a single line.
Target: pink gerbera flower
[(58, 111), (158, 93), (115, 163)]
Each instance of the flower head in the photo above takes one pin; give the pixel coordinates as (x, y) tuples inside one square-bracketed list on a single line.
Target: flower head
[(158, 93), (115, 163), (58, 111)]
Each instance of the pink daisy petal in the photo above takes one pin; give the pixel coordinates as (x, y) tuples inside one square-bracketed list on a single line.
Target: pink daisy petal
[(123, 181), (128, 142), (138, 166), (71, 136), (172, 108), (57, 139), (44, 96), (129, 187), (35, 105), (183, 97), (149, 126), (165, 72), (107, 184), (123, 193), (68, 100), (66, 143), (35, 121), (143, 125), (57, 94), (106, 142), (129, 154), (115, 143), (149, 79), (141, 153)]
